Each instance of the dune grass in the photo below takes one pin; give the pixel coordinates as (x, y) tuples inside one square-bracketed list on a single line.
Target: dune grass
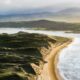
[(18, 51)]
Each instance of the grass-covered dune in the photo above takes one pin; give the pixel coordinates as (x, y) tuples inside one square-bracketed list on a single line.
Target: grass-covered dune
[(22, 54)]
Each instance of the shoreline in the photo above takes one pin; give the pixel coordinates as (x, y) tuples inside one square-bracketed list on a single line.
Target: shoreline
[(56, 59), (52, 65), (50, 71)]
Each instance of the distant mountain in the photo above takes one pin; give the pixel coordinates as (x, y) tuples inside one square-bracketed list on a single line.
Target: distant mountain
[(25, 17), (67, 14)]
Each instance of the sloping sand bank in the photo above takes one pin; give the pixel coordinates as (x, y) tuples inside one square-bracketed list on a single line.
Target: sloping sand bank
[(50, 71)]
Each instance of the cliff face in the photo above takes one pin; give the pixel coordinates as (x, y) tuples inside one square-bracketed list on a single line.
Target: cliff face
[(22, 55)]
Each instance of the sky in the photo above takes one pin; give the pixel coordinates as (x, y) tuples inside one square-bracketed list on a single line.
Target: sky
[(9, 6)]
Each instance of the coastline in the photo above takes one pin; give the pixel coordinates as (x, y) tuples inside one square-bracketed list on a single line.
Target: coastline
[(56, 59), (50, 71)]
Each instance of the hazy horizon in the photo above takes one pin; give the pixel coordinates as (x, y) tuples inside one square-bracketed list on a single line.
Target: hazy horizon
[(27, 10), (29, 6)]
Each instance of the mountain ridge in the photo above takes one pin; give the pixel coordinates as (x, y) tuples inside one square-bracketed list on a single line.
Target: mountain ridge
[(67, 15)]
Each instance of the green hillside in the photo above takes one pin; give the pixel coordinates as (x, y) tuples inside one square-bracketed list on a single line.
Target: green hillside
[(42, 24), (22, 54)]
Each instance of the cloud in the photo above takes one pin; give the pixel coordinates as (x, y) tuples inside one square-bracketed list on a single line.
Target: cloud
[(33, 3), (25, 3), (11, 5)]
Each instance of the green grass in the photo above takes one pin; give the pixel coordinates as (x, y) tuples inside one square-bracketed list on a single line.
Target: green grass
[(18, 51)]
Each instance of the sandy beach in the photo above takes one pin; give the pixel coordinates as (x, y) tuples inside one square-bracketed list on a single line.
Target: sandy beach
[(50, 71)]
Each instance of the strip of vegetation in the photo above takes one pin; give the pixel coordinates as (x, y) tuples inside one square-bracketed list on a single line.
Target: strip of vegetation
[(42, 25), (18, 53)]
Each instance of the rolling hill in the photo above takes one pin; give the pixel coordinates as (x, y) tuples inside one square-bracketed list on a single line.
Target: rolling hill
[(39, 24)]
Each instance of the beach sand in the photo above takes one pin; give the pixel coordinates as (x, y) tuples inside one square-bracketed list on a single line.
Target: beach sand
[(50, 71)]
